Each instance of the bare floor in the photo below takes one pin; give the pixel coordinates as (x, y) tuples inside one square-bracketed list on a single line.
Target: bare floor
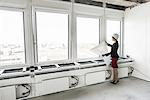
[(126, 89)]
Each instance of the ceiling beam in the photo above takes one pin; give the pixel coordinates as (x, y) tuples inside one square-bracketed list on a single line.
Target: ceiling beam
[(138, 1), (119, 2)]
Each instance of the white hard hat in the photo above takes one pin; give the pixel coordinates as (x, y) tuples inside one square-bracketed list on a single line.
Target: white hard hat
[(116, 36)]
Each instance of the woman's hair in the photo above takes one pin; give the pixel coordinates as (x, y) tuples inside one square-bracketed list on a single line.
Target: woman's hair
[(114, 38)]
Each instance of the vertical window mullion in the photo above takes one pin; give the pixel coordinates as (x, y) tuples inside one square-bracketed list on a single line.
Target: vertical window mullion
[(25, 48)]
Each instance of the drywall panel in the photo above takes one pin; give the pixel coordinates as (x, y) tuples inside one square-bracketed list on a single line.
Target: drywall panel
[(14, 3), (137, 39), (78, 8), (52, 4), (98, 11)]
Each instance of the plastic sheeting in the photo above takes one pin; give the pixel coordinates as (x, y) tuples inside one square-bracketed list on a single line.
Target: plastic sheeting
[(100, 50), (107, 60)]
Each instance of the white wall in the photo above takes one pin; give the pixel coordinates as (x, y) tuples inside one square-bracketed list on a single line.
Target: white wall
[(137, 39)]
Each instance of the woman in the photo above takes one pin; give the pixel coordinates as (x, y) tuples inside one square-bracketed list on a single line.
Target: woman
[(115, 56)]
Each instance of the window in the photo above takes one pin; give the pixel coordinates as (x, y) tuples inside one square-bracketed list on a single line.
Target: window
[(87, 36), (52, 36), (113, 26), (11, 38)]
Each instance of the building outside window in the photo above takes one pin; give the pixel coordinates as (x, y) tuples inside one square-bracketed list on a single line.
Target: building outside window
[(113, 26), (12, 49), (52, 36), (87, 36)]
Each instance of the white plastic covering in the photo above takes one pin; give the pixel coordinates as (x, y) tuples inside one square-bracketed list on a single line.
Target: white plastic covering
[(100, 49), (107, 60)]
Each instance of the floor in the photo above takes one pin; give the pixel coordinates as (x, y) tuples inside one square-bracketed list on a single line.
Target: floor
[(126, 89)]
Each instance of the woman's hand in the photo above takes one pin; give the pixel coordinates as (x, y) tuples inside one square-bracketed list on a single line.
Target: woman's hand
[(108, 44), (103, 55)]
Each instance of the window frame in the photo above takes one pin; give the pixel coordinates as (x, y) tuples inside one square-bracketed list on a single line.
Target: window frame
[(121, 32), (100, 32), (48, 10), (13, 9)]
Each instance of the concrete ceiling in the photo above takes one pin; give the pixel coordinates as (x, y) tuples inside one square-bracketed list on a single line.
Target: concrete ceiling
[(126, 3)]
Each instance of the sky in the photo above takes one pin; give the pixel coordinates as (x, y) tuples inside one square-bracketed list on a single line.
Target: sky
[(87, 30), (52, 27)]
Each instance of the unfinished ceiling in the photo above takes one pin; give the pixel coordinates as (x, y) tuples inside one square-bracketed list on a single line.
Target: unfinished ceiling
[(126, 3), (114, 4), (138, 1)]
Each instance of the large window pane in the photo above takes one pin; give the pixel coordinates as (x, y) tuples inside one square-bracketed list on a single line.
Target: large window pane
[(11, 38), (52, 36), (113, 26), (87, 36)]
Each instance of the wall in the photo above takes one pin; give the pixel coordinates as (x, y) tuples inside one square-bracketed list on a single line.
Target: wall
[(137, 39)]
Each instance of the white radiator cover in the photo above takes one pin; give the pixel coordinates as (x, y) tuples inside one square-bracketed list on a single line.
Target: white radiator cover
[(95, 77), (52, 85), (123, 72), (8, 93)]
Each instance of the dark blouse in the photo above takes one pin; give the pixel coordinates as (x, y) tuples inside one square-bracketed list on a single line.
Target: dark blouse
[(114, 49)]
